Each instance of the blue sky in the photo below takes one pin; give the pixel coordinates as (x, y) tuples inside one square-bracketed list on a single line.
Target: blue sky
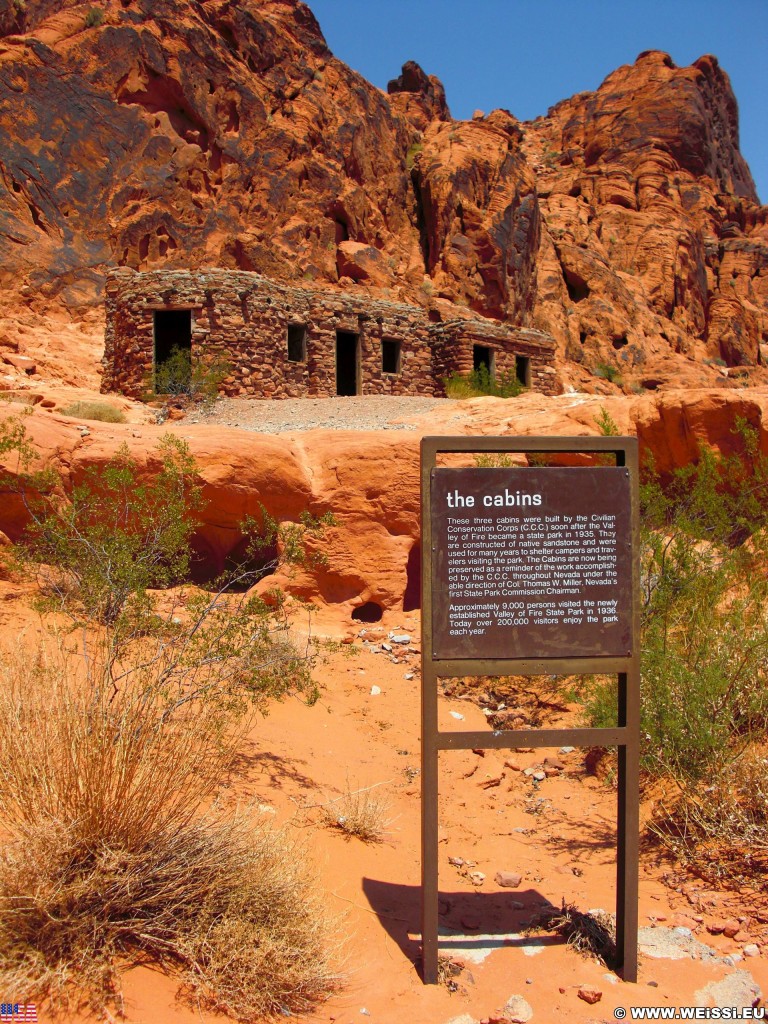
[(526, 55)]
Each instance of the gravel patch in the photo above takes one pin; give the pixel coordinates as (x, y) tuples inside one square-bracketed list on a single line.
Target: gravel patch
[(367, 412)]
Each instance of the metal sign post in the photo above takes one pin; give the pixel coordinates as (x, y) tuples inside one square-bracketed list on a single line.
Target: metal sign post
[(532, 571)]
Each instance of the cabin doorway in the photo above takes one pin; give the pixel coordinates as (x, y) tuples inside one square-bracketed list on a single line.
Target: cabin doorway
[(347, 363), (173, 349)]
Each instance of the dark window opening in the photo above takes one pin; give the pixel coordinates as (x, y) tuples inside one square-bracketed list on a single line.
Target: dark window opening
[(347, 363), (523, 370), (340, 231), (390, 355), (483, 356), (297, 343), (368, 612), (173, 350), (619, 343)]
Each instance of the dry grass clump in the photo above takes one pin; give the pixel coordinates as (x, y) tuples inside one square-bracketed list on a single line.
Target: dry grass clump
[(591, 934), (101, 411), (112, 861), (361, 813), (721, 833)]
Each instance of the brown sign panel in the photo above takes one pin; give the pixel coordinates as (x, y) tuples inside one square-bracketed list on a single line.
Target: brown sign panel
[(531, 563)]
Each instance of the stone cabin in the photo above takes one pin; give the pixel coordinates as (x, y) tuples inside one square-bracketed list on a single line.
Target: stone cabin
[(286, 341)]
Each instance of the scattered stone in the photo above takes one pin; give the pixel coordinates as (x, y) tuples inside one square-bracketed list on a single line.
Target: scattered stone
[(590, 994), (457, 716), (731, 929), (492, 783), (751, 949), (457, 862), (508, 879), (736, 989), (400, 638), (716, 926), (386, 647), (409, 676), (539, 775), (470, 922), (463, 1018), (554, 762), (375, 691), (741, 936), (566, 750), (476, 877), (517, 905), (513, 766), (681, 921), (517, 1010)]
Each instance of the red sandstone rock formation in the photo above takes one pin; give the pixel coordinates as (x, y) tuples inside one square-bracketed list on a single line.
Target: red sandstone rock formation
[(370, 481), (654, 241), (154, 133)]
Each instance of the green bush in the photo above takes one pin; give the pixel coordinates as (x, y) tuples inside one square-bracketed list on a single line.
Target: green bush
[(482, 382), (181, 376), (113, 750), (115, 536), (94, 17), (102, 411), (608, 372), (704, 589)]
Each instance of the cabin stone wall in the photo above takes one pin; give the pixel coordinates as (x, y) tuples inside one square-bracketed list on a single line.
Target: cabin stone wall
[(242, 319)]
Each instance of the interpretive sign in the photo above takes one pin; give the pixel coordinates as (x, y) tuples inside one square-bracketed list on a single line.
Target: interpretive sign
[(531, 570), (531, 562)]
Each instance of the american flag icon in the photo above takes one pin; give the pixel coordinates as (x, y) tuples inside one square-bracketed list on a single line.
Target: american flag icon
[(17, 1013)]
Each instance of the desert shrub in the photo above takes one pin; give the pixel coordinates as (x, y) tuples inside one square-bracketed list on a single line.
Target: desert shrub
[(116, 857), (413, 152), (111, 760), (94, 17), (180, 375), (607, 372), (704, 654), (359, 812), (722, 829), (114, 536), (704, 622), (101, 411), (482, 382)]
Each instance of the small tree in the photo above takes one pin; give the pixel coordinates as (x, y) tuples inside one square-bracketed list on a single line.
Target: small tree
[(102, 553), (114, 536)]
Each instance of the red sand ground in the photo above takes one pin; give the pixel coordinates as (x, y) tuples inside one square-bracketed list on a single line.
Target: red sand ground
[(558, 834)]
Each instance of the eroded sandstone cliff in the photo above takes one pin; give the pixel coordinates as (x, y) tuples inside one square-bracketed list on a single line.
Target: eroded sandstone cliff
[(154, 133)]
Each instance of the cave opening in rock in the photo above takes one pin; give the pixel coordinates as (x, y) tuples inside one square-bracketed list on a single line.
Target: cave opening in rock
[(241, 567), (347, 363), (578, 289), (368, 612), (172, 348)]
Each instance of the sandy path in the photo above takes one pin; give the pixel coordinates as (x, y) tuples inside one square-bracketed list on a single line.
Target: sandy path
[(558, 834)]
